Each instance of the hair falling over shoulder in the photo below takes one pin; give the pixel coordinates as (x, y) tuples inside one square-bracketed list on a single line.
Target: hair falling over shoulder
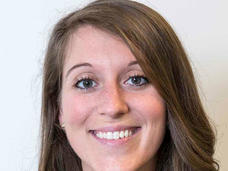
[(189, 141)]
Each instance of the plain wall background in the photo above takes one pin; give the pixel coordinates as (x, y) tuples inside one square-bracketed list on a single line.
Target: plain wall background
[(24, 30)]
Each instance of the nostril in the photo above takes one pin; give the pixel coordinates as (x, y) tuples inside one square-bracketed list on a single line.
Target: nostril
[(114, 111), (112, 102)]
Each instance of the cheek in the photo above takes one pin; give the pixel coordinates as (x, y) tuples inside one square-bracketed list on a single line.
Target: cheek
[(151, 107), (74, 109)]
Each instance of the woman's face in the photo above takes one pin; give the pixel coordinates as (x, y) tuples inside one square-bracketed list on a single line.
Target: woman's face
[(114, 118)]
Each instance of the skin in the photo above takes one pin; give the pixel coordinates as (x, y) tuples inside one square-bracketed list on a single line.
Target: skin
[(111, 99)]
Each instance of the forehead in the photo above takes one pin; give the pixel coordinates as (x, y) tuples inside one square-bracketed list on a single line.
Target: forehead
[(93, 45)]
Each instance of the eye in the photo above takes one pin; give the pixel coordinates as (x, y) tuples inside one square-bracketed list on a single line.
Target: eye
[(137, 81), (85, 83)]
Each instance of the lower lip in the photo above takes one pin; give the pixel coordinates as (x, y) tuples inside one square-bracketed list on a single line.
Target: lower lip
[(113, 142)]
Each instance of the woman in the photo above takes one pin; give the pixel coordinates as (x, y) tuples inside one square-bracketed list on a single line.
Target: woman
[(119, 94)]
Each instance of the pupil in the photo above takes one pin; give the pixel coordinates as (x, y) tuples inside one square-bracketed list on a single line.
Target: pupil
[(87, 83), (136, 80)]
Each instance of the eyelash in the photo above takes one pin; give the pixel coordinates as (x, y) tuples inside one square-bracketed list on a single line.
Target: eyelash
[(81, 80), (139, 76), (76, 85)]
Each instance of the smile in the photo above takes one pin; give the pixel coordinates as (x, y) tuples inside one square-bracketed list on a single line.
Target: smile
[(115, 137)]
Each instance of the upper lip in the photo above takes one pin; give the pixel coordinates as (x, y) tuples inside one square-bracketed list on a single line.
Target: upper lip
[(114, 128)]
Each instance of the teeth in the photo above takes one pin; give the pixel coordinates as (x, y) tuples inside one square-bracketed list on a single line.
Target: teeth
[(129, 133), (104, 135), (101, 135), (114, 135), (109, 135), (126, 133), (121, 134)]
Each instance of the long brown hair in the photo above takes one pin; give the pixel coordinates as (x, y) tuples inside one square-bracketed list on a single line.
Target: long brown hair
[(189, 140)]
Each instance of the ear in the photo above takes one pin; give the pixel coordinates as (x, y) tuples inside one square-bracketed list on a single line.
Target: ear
[(60, 117)]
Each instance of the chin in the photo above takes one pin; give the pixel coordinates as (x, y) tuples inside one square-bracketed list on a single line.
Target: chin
[(118, 165)]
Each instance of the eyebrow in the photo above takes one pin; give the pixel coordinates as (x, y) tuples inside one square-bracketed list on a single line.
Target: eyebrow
[(77, 66), (133, 63), (89, 65)]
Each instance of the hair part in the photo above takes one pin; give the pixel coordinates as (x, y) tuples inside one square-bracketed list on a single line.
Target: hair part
[(189, 141)]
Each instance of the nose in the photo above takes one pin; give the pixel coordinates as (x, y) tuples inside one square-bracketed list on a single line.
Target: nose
[(114, 103)]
